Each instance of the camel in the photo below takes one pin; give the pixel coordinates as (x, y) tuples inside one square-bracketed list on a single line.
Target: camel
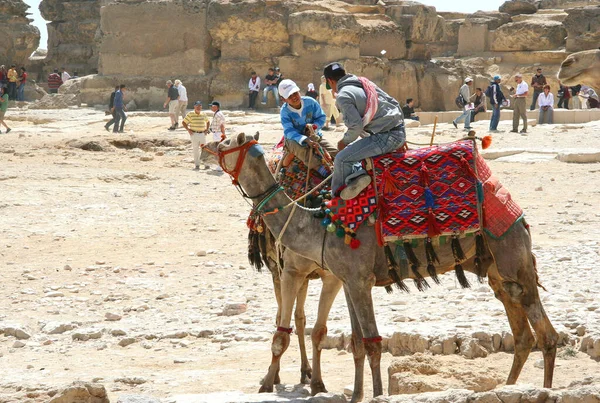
[(581, 68), (291, 285), (510, 267)]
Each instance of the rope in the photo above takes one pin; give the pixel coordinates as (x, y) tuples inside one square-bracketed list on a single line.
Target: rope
[(294, 202), (278, 240), (310, 154)]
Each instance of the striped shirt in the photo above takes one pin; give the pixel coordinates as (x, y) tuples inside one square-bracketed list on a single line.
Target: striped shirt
[(196, 121)]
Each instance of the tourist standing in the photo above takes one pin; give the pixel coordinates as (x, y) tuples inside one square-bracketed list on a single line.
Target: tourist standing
[(173, 102), (575, 96), (327, 103), (64, 76), (197, 124), (564, 94), (3, 77), (494, 93), (111, 104), (590, 95), (54, 82), (3, 108), (465, 93), (253, 89), (311, 92), (537, 82), (183, 101), (21, 87), (13, 77), (519, 104), (271, 86), (546, 104), (408, 110), (217, 125), (119, 109)]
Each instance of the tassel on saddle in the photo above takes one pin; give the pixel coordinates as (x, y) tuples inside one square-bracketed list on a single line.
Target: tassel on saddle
[(420, 282), (459, 256), (393, 266)]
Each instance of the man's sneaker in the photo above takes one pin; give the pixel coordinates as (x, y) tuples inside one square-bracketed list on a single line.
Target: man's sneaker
[(467, 129), (514, 131), (172, 128), (176, 125), (455, 125), (197, 168), (107, 129), (523, 132), (8, 130), (355, 187)]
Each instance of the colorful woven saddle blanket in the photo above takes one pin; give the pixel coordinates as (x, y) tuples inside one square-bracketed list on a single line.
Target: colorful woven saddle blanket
[(428, 192), (500, 211), (293, 177)]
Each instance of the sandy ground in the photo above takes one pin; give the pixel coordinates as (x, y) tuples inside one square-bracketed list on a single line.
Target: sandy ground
[(84, 234)]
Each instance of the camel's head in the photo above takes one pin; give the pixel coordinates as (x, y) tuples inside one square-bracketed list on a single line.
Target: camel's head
[(236, 155), (581, 68)]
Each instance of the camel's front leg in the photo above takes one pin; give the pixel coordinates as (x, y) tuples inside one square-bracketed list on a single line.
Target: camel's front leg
[(358, 294), (291, 282), (300, 320), (358, 352), (331, 287)]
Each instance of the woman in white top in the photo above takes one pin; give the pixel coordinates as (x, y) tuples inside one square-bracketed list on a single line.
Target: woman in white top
[(546, 104), (328, 104)]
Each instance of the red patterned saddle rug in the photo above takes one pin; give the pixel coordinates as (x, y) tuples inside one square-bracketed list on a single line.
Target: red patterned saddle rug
[(428, 192), (500, 211)]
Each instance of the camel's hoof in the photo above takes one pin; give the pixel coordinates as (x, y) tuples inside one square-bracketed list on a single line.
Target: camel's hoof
[(305, 376), (266, 389), (317, 387), (277, 380)]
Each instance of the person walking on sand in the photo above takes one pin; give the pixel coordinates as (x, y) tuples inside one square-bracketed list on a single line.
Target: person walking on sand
[(465, 93), (3, 108), (183, 101), (111, 109), (173, 102), (496, 97), (198, 126), (520, 107), (119, 109)]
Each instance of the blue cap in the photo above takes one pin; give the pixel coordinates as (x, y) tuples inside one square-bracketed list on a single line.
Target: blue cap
[(198, 103), (497, 77)]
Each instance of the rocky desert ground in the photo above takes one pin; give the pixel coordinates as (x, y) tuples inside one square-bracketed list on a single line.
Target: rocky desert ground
[(125, 269)]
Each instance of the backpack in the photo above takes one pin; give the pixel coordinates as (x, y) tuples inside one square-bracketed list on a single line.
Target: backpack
[(460, 101), (489, 91)]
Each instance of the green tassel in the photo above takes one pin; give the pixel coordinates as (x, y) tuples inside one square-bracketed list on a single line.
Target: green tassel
[(339, 232)]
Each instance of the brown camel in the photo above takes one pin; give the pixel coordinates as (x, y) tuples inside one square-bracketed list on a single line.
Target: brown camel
[(581, 68), (291, 285), (510, 267)]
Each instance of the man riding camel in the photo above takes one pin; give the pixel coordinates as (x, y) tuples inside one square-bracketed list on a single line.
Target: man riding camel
[(375, 126), (299, 116)]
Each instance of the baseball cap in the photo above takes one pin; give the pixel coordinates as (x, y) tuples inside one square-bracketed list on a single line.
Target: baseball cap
[(215, 103), (198, 103), (276, 68), (334, 70), (497, 77), (288, 87), (468, 80)]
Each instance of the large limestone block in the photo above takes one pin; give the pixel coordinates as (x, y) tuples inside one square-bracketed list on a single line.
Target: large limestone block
[(516, 7), (493, 19), (583, 36), (564, 4), (19, 38), (421, 23), (325, 27), (376, 35), (59, 10), (81, 392), (529, 35)]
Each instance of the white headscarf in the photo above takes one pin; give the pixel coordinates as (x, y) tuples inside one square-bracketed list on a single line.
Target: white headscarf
[(311, 87)]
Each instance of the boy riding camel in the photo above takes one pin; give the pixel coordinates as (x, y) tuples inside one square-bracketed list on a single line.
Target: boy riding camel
[(375, 126)]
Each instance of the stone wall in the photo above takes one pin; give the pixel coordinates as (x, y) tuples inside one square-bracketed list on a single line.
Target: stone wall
[(19, 38), (583, 28), (73, 33)]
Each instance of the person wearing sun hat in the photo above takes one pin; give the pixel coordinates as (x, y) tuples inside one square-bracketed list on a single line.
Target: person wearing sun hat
[(466, 114), (297, 114)]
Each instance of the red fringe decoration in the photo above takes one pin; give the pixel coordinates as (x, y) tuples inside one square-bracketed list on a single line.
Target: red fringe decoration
[(379, 231), (287, 330), (486, 142), (424, 176), (376, 339), (434, 228), (389, 187)]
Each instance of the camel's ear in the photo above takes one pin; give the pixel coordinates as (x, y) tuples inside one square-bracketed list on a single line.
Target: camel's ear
[(241, 139), (256, 136)]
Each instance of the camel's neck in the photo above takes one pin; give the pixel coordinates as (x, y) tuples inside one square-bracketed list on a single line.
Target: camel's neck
[(300, 232)]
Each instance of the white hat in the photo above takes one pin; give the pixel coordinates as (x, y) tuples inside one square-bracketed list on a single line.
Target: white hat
[(287, 87), (468, 80)]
